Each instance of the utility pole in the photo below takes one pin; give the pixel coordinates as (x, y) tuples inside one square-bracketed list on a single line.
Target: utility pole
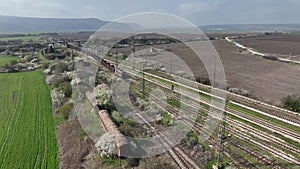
[(214, 72), (117, 55), (143, 72), (170, 61), (222, 128), (222, 135), (143, 77)]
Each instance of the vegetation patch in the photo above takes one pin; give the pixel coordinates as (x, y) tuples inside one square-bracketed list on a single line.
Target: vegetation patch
[(28, 133), (7, 60)]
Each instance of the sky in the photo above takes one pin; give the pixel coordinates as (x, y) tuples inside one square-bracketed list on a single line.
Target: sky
[(199, 12)]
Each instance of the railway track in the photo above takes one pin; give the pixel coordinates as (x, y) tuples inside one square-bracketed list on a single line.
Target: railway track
[(287, 115), (274, 151), (179, 157), (272, 127), (264, 136), (199, 128), (267, 108)]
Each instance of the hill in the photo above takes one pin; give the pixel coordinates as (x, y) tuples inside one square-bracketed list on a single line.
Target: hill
[(12, 24)]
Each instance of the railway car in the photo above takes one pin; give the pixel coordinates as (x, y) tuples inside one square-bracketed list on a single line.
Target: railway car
[(119, 73), (110, 127)]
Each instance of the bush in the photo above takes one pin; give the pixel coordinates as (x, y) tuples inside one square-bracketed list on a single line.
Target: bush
[(51, 56), (45, 65), (13, 62), (59, 82), (67, 89), (61, 67), (133, 162), (104, 98), (28, 58), (132, 129), (65, 110), (270, 57), (241, 92), (291, 102)]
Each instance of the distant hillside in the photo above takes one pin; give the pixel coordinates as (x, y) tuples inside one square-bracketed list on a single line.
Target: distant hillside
[(250, 27), (11, 24)]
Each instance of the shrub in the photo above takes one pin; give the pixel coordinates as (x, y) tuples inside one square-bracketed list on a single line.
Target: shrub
[(104, 98), (59, 82), (291, 102), (61, 67), (242, 92), (45, 65), (28, 58), (65, 110), (133, 162), (270, 57), (67, 89), (13, 62), (51, 56)]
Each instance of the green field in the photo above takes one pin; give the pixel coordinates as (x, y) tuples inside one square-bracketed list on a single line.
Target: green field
[(25, 38), (28, 132), (7, 59)]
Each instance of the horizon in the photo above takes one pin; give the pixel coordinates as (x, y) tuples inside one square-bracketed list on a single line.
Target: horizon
[(204, 12), (216, 24)]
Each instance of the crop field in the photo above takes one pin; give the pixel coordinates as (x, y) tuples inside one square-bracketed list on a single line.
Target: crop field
[(7, 59), (28, 134), (282, 45), (25, 38), (264, 79)]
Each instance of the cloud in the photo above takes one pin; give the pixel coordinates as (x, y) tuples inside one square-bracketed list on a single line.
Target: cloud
[(34, 8), (192, 8), (197, 11), (236, 11)]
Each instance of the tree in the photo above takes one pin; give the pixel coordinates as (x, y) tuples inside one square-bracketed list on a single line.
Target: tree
[(291, 102), (104, 98)]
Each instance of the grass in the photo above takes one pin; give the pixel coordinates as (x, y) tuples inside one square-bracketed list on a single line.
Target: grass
[(28, 133), (7, 59), (112, 162), (267, 118), (24, 38), (290, 141)]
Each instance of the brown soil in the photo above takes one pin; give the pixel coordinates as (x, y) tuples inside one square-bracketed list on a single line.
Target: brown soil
[(266, 79), (73, 151), (274, 44)]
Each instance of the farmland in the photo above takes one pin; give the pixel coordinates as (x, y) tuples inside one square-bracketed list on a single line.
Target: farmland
[(264, 79), (279, 45), (7, 59), (25, 38), (28, 134)]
